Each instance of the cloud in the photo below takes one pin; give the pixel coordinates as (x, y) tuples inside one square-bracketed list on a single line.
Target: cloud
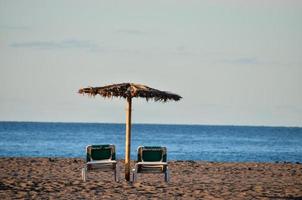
[(182, 50), (242, 61), (290, 109), (64, 44), (130, 31), (10, 27)]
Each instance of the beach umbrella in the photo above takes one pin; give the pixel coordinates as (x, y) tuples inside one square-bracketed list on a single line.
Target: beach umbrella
[(129, 91)]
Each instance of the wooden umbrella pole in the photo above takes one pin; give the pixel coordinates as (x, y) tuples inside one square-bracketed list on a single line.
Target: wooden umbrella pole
[(128, 139)]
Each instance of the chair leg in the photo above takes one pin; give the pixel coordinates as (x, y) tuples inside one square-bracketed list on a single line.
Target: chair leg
[(84, 170), (115, 174), (167, 175), (133, 175)]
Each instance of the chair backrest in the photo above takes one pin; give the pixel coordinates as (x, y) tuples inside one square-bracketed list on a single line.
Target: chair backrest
[(100, 152), (151, 154)]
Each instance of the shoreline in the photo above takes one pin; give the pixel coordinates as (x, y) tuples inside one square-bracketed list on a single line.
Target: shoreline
[(176, 161), (55, 177)]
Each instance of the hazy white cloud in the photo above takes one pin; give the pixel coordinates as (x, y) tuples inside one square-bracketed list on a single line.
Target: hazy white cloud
[(242, 61), (12, 27), (64, 44), (131, 31)]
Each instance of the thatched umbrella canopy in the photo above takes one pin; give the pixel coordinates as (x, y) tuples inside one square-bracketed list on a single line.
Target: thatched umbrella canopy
[(129, 91)]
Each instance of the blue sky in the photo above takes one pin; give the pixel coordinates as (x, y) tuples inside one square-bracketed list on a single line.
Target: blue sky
[(234, 62)]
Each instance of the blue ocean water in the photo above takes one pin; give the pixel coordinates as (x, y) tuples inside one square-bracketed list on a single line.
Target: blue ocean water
[(184, 142)]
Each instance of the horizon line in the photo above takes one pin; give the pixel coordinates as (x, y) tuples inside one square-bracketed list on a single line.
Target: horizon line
[(146, 123)]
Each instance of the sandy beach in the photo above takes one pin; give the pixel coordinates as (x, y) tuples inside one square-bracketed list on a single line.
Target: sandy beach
[(60, 178)]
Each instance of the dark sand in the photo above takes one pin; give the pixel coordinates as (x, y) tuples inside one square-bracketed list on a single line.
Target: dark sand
[(60, 178)]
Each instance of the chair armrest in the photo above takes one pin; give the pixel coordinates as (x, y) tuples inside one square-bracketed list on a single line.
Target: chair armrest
[(152, 163), (102, 162)]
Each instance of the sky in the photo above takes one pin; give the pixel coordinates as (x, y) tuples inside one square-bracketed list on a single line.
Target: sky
[(234, 62)]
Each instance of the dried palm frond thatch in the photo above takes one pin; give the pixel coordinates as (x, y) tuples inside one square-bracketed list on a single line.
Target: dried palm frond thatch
[(129, 90)]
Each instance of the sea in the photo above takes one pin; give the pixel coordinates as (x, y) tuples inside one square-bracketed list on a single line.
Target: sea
[(183, 142)]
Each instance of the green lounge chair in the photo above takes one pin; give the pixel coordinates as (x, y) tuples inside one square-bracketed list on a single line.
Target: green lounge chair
[(151, 160), (100, 157)]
